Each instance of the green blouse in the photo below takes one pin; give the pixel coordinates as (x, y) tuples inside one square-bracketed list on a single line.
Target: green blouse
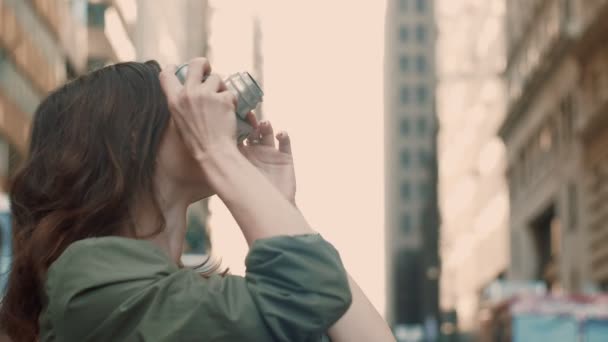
[(120, 289)]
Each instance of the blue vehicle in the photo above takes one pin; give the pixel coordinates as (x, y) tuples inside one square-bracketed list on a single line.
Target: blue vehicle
[(5, 241)]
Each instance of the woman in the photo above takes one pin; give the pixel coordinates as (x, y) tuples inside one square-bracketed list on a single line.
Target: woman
[(99, 208)]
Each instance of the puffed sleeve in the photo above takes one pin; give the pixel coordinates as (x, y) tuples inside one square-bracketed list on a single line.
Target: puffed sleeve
[(294, 289)]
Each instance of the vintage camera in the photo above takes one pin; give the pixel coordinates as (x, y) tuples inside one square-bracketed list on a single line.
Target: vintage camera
[(248, 94)]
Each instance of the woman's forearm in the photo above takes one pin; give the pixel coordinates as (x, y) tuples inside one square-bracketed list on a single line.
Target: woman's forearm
[(258, 207), (361, 323)]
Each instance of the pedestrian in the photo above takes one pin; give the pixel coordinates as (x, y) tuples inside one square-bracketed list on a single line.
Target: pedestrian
[(99, 212)]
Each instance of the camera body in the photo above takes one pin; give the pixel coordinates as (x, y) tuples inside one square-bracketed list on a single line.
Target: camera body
[(248, 94)]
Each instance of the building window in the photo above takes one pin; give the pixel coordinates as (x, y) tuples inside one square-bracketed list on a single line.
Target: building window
[(421, 33), (421, 65), (404, 34), (96, 14), (421, 6), (406, 191), (403, 5), (422, 126), (405, 158), (424, 158), (405, 126), (424, 190), (404, 63), (422, 94), (567, 113), (406, 224), (405, 95)]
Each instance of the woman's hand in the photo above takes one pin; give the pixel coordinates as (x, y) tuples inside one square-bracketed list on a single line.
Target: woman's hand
[(275, 163), (205, 118), (203, 111)]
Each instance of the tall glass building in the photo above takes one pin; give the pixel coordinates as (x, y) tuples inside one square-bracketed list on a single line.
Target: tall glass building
[(412, 218)]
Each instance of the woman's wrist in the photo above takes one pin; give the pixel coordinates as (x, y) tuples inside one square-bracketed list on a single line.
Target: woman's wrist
[(219, 163)]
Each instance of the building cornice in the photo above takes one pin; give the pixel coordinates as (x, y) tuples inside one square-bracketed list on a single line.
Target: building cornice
[(534, 85), (582, 45)]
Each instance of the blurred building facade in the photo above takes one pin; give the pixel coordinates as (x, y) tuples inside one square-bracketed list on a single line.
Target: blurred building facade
[(172, 31), (592, 126), (411, 169), (473, 192), (107, 35), (42, 43), (556, 133)]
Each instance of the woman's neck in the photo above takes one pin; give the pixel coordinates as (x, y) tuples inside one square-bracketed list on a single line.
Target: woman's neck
[(173, 207), (171, 239)]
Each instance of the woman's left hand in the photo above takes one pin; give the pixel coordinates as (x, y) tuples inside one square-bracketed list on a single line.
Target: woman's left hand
[(275, 163)]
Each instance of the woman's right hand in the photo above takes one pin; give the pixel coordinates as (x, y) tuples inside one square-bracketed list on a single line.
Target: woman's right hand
[(204, 115), (203, 111)]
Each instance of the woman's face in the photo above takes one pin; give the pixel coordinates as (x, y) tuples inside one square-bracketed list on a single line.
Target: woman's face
[(176, 165)]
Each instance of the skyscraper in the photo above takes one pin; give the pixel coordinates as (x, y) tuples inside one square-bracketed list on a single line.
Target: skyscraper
[(411, 170)]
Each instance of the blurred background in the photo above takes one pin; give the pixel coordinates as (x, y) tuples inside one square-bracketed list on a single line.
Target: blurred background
[(454, 151)]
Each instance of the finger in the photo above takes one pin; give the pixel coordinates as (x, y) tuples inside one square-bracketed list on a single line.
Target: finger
[(252, 119), (230, 97), (214, 83), (267, 134), (284, 142), (198, 68), (169, 82)]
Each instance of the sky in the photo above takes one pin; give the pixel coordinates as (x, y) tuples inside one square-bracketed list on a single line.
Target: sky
[(323, 83)]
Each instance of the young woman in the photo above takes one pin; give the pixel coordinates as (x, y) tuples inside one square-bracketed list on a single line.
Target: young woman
[(99, 207)]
